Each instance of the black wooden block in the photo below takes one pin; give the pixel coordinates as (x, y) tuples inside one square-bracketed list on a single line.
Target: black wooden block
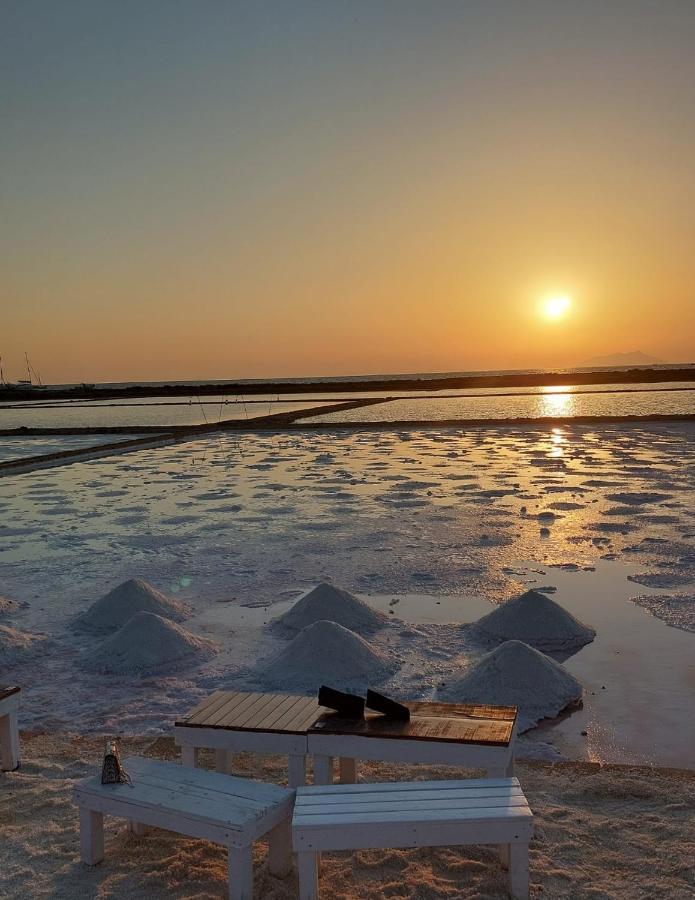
[(388, 707), (350, 706)]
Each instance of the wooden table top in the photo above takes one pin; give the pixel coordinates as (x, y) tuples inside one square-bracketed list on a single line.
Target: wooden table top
[(429, 721), (6, 690), (243, 711), (293, 714)]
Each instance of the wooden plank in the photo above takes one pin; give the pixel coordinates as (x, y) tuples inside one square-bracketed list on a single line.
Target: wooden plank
[(405, 816), (250, 714), (424, 728), (467, 710), (311, 794), (274, 710), (204, 704), (481, 796), (505, 828), (295, 714), (227, 715), (409, 809), (224, 698)]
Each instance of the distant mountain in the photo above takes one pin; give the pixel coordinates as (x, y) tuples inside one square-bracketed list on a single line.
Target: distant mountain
[(636, 358)]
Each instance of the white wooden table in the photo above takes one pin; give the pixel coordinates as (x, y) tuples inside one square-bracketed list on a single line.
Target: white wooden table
[(233, 812), (234, 721), (9, 727), (412, 814), (447, 734)]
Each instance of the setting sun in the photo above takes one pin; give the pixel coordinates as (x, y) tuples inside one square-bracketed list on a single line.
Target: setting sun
[(556, 307)]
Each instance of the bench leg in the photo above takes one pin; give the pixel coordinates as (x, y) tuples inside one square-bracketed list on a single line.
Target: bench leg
[(137, 828), (323, 769), (9, 742), (518, 871), (348, 770), (91, 836), (308, 876), (240, 873), (280, 848), (189, 756), (223, 761), (503, 851), (297, 771)]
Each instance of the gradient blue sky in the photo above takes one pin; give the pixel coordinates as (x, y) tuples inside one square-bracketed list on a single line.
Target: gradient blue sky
[(210, 190)]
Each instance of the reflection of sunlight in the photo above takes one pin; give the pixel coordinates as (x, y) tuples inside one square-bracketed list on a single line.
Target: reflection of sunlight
[(557, 439), (558, 403)]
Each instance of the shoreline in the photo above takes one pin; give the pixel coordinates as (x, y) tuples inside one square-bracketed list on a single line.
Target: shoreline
[(542, 379)]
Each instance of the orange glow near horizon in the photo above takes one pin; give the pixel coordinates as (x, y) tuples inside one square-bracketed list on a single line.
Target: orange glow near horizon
[(327, 191)]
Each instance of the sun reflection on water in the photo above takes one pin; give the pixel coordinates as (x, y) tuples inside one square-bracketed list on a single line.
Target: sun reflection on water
[(557, 401)]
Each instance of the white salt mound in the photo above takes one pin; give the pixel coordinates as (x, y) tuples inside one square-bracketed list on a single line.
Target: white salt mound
[(114, 609), (148, 643), (536, 620), (515, 674), (328, 603), (14, 643), (325, 652)]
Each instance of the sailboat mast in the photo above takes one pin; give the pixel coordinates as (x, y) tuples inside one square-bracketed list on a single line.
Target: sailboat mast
[(26, 357)]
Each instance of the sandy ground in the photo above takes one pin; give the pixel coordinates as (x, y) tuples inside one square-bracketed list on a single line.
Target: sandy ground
[(601, 832)]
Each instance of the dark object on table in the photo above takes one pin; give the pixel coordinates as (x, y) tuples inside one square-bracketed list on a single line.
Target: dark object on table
[(350, 706), (388, 707), (112, 772)]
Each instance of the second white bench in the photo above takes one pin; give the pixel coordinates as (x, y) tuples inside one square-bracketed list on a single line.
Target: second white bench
[(218, 808), (412, 814)]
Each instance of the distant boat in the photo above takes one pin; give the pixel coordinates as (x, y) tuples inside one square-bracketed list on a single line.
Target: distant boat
[(23, 384)]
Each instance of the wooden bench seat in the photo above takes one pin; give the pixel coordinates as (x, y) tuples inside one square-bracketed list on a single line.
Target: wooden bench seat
[(223, 809), (412, 814), (9, 727)]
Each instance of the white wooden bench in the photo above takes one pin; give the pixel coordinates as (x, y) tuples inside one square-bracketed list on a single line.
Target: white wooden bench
[(9, 728), (412, 814), (223, 809)]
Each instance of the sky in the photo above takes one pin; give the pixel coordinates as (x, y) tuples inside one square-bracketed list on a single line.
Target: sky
[(266, 189)]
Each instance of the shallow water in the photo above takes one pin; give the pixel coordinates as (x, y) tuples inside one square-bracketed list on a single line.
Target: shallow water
[(238, 525), (100, 414), (544, 404)]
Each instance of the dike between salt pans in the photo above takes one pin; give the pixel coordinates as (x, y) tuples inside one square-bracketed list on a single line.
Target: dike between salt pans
[(538, 621), (328, 603), (114, 609), (515, 674), (326, 653), (148, 644)]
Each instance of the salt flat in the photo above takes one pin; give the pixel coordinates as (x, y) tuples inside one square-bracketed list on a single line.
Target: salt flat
[(240, 525)]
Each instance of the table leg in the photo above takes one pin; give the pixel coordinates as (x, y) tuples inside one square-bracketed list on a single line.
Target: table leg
[(280, 848), (223, 760), (91, 836), (189, 756), (297, 771), (308, 876), (348, 770), (9, 742), (240, 873), (323, 769)]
